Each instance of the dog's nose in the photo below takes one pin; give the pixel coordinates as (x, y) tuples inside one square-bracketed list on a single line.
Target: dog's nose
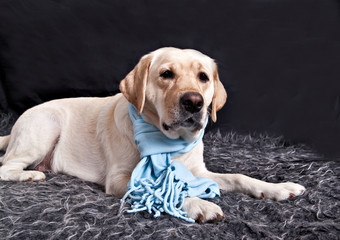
[(192, 102)]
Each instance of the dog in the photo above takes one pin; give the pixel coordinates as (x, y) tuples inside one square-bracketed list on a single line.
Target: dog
[(92, 138)]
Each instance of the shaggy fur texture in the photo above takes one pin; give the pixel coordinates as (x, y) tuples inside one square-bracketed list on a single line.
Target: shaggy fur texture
[(65, 207)]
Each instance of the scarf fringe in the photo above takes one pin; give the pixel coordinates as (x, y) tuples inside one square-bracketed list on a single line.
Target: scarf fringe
[(165, 194)]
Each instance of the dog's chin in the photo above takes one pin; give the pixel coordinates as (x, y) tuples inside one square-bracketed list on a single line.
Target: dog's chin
[(188, 129)]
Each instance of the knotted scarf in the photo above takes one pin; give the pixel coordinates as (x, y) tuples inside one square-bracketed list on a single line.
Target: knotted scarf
[(159, 184)]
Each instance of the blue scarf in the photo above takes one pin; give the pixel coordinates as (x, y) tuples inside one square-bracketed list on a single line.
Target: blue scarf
[(157, 183)]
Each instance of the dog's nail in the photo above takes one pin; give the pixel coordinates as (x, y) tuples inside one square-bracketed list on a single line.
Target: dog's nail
[(262, 195), (29, 179), (291, 195), (199, 218)]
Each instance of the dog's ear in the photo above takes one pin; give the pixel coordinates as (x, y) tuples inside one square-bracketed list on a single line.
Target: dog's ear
[(133, 86), (220, 95)]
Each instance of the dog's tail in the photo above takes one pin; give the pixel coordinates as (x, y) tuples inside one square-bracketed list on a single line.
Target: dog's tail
[(4, 142)]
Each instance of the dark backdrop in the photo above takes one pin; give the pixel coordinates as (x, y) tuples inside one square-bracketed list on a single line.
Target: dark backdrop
[(279, 60)]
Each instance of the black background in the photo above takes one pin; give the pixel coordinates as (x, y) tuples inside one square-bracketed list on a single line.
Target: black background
[(279, 60)]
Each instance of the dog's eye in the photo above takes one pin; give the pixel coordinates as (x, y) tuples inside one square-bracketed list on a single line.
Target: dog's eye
[(167, 74), (203, 77)]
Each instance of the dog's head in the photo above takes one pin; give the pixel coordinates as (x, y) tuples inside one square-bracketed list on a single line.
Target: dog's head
[(174, 89)]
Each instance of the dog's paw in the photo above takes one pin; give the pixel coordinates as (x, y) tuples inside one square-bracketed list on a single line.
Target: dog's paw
[(22, 176), (202, 211), (32, 176), (280, 191)]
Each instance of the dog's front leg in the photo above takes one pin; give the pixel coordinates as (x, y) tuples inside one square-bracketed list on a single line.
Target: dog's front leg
[(254, 187)]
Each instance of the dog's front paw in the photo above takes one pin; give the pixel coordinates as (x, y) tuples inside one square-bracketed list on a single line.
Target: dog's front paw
[(202, 211), (280, 191)]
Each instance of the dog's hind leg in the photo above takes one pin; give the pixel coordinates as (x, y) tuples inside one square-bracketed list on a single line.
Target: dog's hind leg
[(4, 140), (33, 138), (3, 145)]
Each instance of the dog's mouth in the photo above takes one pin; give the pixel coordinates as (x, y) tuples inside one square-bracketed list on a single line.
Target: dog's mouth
[(192, 123)]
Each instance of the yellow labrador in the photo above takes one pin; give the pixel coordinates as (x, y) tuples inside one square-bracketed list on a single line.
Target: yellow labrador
[(92, 138)]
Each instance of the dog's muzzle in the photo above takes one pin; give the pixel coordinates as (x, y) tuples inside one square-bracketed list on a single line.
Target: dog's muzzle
[(190, 104)]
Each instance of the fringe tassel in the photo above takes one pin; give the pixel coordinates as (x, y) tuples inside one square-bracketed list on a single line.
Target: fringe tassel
[(165, 194)]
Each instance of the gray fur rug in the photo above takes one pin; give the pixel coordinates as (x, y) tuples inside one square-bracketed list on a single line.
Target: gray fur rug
[(64, 207)]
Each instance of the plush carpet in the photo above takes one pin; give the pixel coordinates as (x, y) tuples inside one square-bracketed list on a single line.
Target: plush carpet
[(64, 207)]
